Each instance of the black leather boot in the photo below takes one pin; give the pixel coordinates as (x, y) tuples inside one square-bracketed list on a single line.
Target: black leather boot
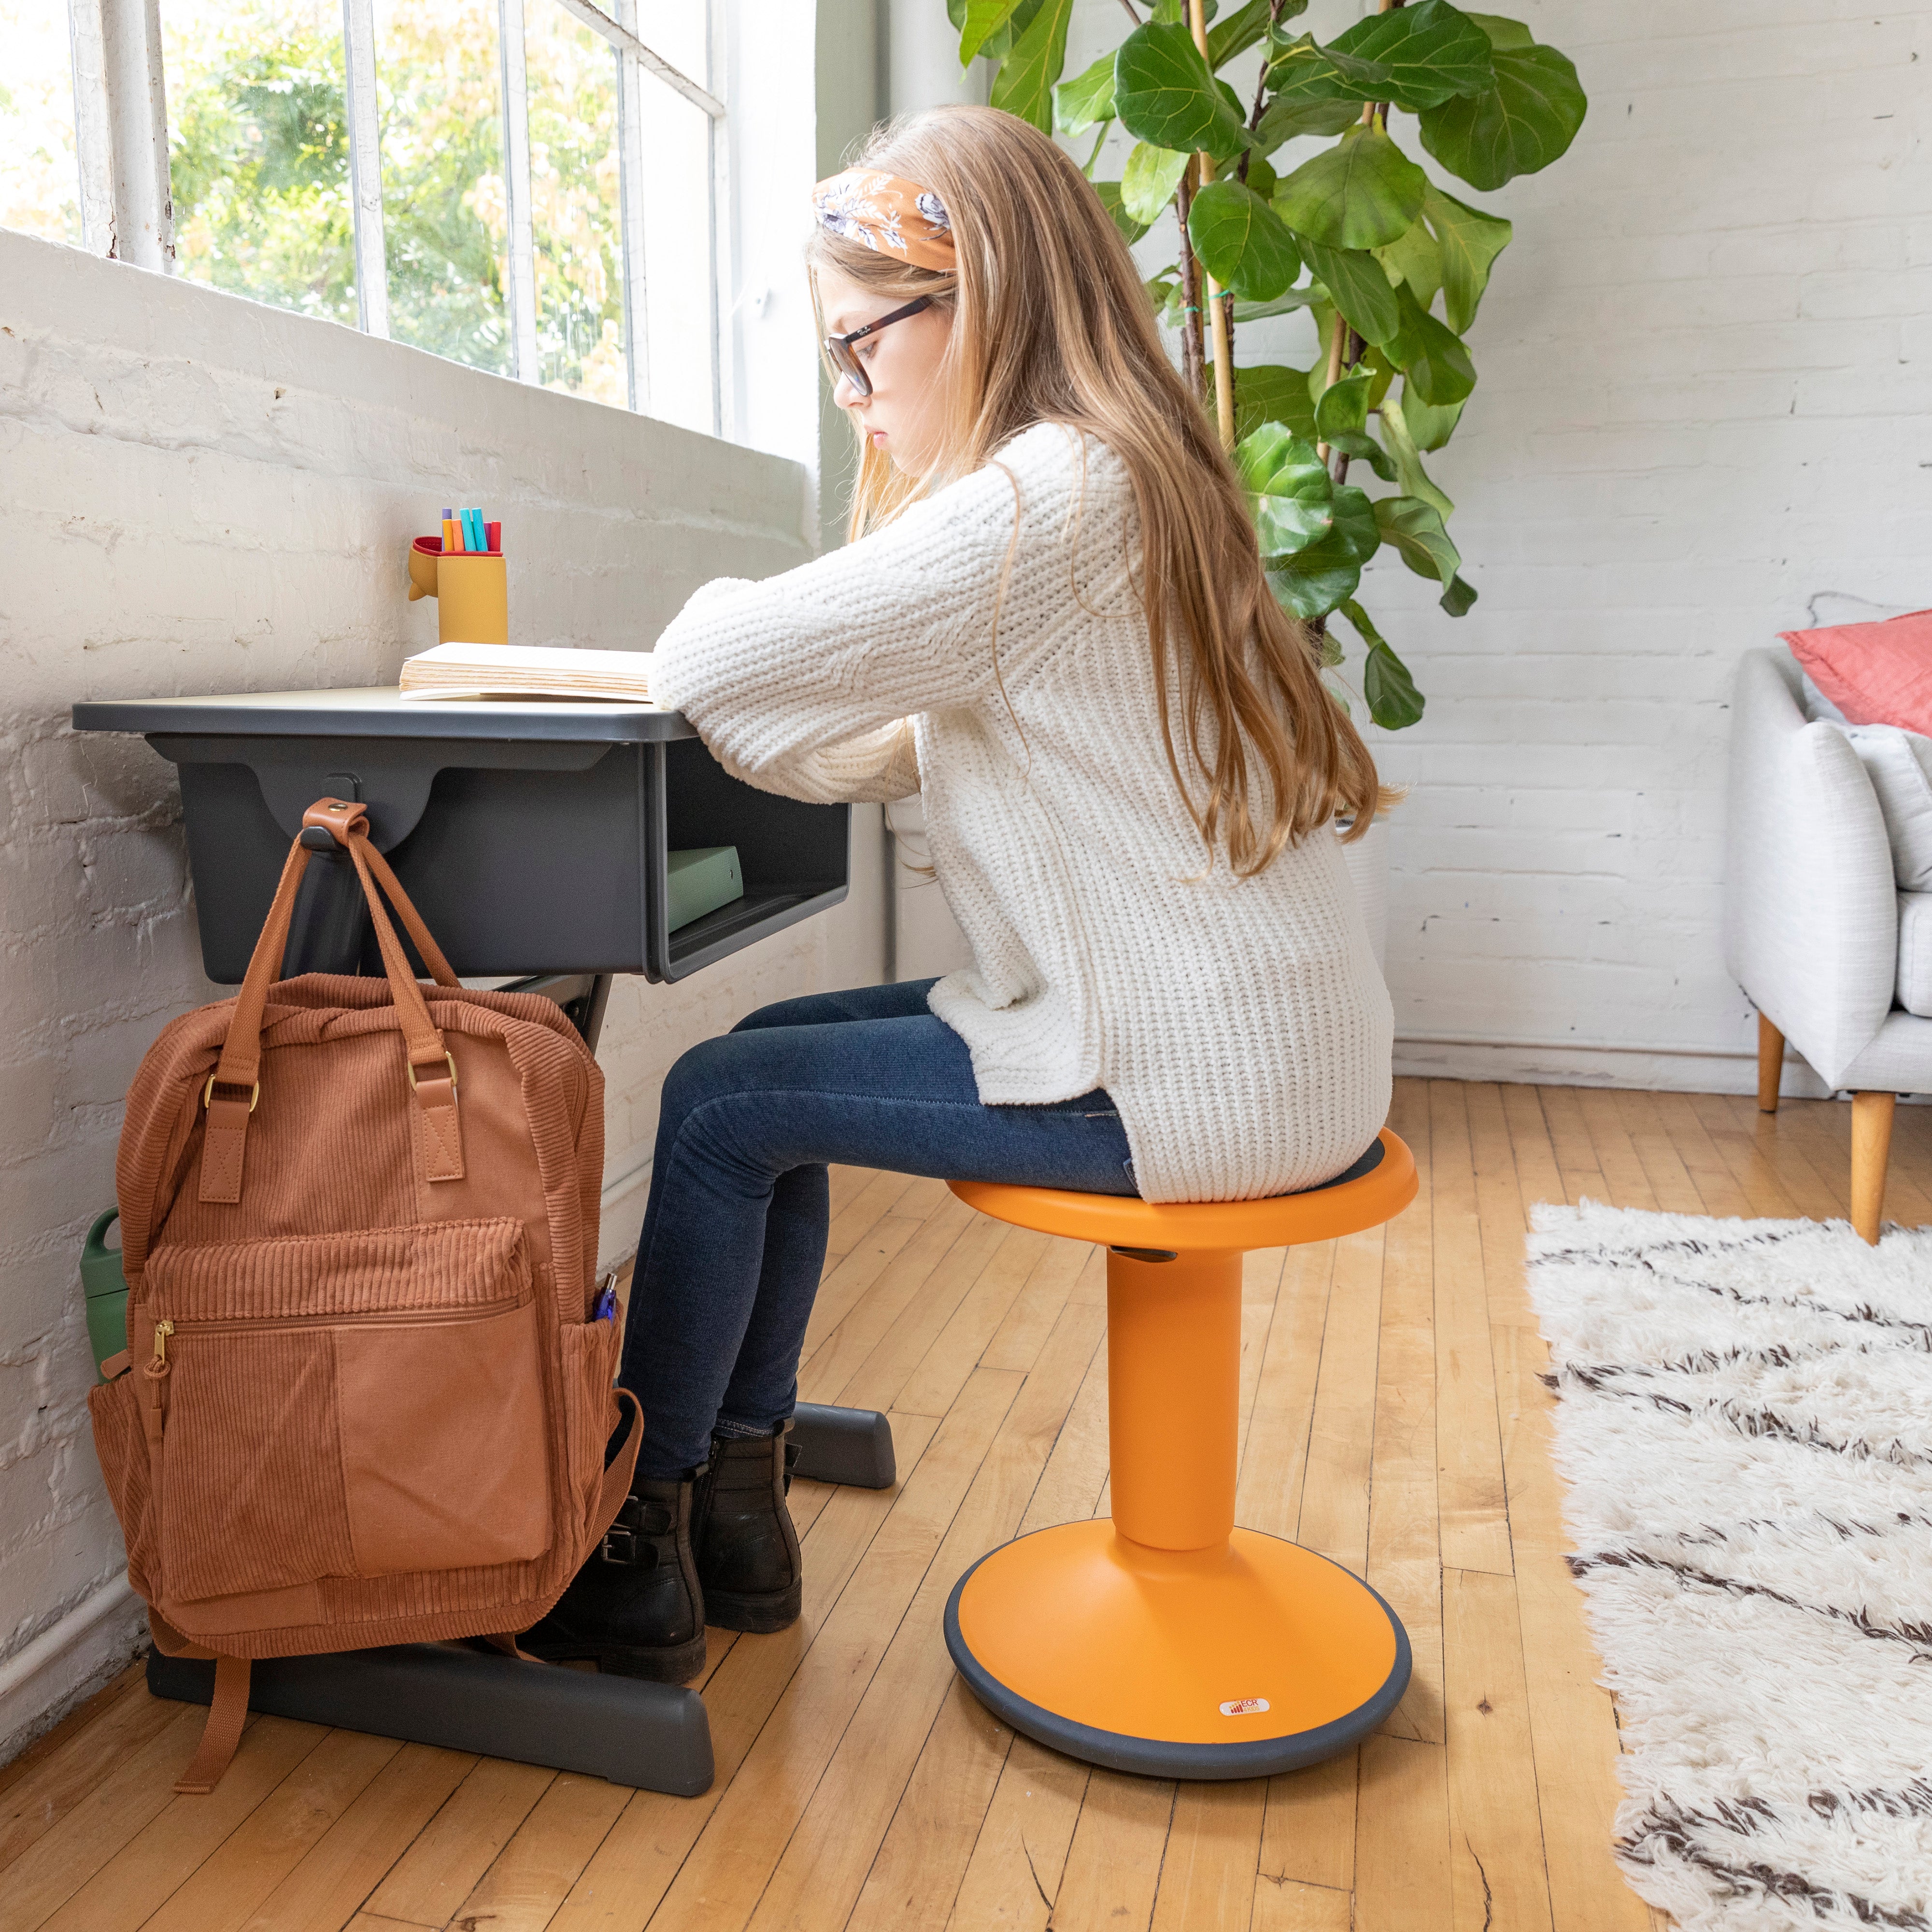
[(747, 1548), (636, 1607)]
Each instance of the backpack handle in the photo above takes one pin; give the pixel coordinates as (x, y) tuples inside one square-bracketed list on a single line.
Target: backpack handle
[(429, 1065)]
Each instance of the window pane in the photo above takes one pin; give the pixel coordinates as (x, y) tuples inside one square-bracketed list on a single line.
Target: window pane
[(258, 151), (40, 181), (676, 30), (677, 217), (446, 228), (576, 204), (677, 254)]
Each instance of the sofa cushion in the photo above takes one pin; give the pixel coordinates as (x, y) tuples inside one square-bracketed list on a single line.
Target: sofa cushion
[(1899, 764), (1915, 953), (1877, 673)]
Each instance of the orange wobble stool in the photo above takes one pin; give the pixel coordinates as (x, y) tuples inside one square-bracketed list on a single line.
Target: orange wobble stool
[(1168, 1641)]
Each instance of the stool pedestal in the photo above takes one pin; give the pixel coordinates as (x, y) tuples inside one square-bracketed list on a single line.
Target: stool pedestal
[(1167, 1642)]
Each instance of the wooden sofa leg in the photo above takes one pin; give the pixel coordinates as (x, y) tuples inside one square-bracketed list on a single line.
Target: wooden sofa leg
[(1871, 1150), (1770, 1064)]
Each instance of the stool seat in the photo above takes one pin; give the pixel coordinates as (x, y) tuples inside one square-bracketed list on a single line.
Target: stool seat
[(1376, 1189), (1168, 1641)]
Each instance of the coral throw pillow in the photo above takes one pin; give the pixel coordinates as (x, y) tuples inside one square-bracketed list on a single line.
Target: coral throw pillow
[(1875, 673)]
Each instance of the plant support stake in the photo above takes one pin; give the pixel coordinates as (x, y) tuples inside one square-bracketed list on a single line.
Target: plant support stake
[(1217, 309)]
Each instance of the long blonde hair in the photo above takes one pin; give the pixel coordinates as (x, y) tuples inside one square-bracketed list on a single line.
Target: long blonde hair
[(1051, 323)]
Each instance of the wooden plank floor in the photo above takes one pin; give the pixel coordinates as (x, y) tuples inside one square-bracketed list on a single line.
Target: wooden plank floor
[(1392, 1417)]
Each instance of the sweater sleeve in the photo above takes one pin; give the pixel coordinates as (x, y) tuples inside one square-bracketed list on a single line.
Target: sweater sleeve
[(806, 684)]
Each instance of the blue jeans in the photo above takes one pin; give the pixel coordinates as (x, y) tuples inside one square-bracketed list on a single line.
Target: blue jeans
[(734, 1234)]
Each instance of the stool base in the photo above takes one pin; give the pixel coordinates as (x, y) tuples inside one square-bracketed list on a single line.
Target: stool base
[(1256, 1658)]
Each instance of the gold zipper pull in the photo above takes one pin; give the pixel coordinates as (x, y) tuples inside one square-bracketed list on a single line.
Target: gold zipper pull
[(159, 1365)]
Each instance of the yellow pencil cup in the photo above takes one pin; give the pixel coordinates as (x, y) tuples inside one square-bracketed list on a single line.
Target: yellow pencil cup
[(472, 594)]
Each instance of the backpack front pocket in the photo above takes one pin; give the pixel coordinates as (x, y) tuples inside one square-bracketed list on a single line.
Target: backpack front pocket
[(358, 1404)]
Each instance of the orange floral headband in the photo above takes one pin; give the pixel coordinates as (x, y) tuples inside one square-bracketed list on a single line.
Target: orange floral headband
[(883, 212)]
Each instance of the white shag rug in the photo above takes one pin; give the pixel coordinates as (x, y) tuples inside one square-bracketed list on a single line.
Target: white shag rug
[(1745, 1424)]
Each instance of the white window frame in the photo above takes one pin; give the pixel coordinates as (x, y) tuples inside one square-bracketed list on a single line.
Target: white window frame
[(121, 134)]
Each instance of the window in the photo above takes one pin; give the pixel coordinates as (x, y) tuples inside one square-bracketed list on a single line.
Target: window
[(526, 186), (40, 179)]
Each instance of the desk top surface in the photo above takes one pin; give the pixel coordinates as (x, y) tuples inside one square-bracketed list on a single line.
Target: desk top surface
[(381, 712)]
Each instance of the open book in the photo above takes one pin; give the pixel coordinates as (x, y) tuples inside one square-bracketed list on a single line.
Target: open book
[(528, 670)]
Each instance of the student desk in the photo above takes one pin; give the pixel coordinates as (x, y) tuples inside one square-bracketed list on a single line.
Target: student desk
[(532, 837)]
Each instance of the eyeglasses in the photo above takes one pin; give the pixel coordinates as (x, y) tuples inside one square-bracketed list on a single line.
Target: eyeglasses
[(839, 351)]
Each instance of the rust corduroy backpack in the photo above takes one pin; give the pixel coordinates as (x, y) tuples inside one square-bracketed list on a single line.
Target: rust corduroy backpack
[(359, 1226)]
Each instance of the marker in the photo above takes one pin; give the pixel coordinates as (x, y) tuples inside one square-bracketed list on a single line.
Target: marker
[(448, 532), (493, 535), (478, 542)]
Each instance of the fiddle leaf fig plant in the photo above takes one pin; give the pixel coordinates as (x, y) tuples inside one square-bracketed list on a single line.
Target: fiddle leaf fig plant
[(1296, 197)]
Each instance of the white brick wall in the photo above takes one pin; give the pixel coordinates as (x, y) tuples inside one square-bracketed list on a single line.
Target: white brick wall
[(1705, 415), (199, 493), (1703, 418)]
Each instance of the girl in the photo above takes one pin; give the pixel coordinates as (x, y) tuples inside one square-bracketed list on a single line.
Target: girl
[(1052, 619)]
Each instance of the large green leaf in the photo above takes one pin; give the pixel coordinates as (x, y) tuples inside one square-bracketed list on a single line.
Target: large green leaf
[(1469, 242), (1503, 35), (1240, 30), (1341, 422), (1429, 53), (1523, 123), (1283, 119), (1394, 703), (1363, 447), (1312, 581), (1306, 588), (1288, 489), (979, 20), (1023, 85), (1413, 257), (1357, 286), (1148, 181), (1241, 241), (1361, 193), (1088, 97), (1164, 292), (1414, 530), (1109, 193), (1302, 70), (1001, 40), (1344, 407), (1431, 424), (1164, 94), (1270, 392), (1431, 358), (1382, 371), (1410, 475), (1306, 296)]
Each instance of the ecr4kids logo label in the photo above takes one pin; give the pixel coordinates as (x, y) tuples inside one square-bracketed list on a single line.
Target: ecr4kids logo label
[(1243, 1707)]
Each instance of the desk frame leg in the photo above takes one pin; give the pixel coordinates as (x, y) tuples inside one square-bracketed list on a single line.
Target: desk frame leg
[(653, 1737)]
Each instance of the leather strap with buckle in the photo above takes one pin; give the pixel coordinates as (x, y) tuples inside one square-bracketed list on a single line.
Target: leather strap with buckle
[(430, 1066)]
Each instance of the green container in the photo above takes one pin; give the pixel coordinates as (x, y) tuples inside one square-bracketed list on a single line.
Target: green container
[(700, 880), (106, 1290)]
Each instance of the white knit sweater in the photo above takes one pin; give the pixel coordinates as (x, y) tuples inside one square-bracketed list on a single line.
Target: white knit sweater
[(1240, 1024)]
